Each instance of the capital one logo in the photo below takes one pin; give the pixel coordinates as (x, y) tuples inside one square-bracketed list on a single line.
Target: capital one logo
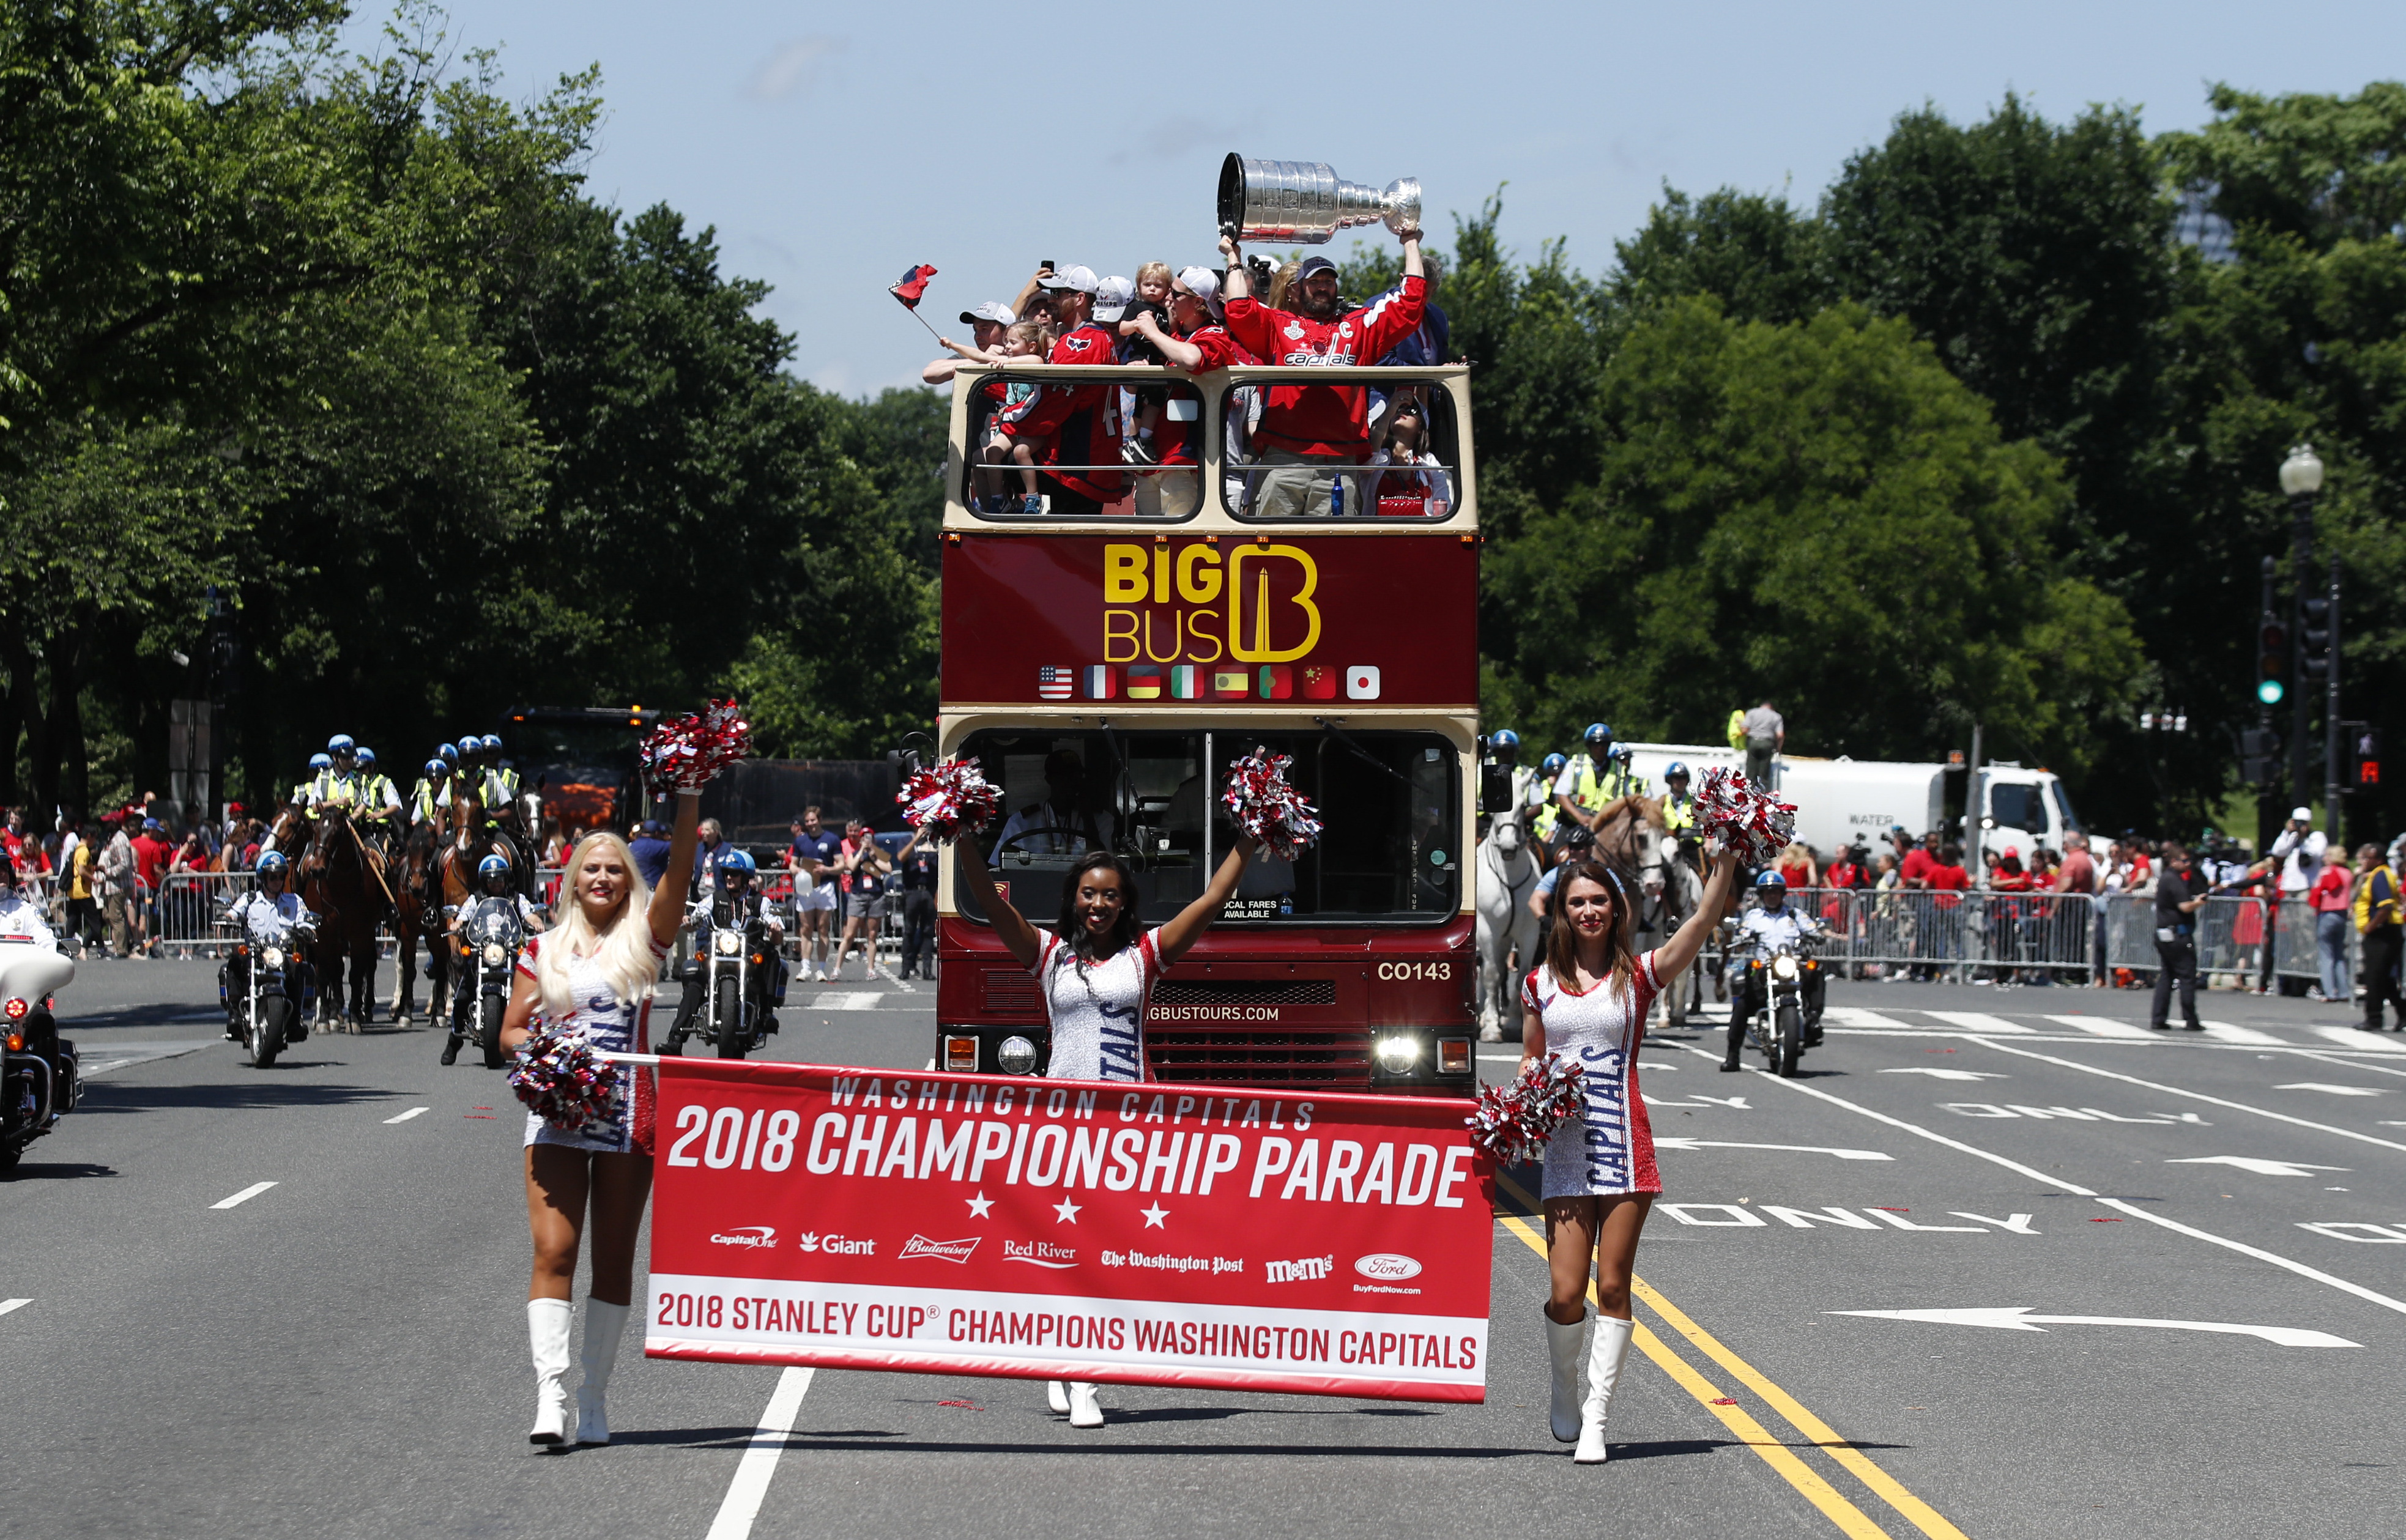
[(1254, 607)]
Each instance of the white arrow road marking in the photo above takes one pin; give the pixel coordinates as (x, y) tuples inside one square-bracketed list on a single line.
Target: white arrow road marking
[(2018, 1318), (2339, 1229), (1936, 1073), (2256, 1164), (2359, 1289), (8, 1305), (245, 1195), (1980, 1020), (2335, 1090), (741, 1505), (2177, 1091), (406, 1116), (1737, 1102), (1799, 1149), (2097, 1026)]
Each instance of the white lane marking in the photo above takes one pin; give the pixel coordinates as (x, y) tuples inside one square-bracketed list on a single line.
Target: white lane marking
[(1799, 1149), (847, 999), (406, 1116), (741, 1505), (2018, 1318), (2336, 1089), (2097, 1026), (2362, 1065), (1938, 1073), (245, 1195), (2225, 1032), (8, 1305), (1913, 1128), (2193, 1096), (109, 1060), (2259, 1253), (2361, 1040), (932, 1063), (1980, 1020), (1852, 1015), (2256, 1164), (2337, 1229)]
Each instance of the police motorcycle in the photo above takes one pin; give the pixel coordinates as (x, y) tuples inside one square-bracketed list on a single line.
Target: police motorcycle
[(487, 935), (1782, 992), (41, 1075), (734, 973), (265, 986)]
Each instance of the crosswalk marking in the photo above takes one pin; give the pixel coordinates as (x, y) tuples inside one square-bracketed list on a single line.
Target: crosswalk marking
[(1850, 1016), (856, 1000), (2353, 1037), (1977, 1021), (2099, 1027), (2248, 1036)]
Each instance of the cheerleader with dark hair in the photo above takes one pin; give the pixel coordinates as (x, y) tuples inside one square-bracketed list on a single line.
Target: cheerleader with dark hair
[(1586, 1003), (1096, 970)]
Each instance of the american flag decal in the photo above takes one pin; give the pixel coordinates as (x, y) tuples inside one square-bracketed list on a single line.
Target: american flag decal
[(1054, 684)]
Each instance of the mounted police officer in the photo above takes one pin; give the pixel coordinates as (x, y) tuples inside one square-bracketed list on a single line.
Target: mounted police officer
[(379, 798), (340, 781), (305, 795), (1597, 777), (1679, 807), (1541, 795), (432, 801)]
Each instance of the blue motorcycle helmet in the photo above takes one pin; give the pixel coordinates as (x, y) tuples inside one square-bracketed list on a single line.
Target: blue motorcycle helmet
[(1554, 763), (340, 744), (436, 770), (1678, 772), (493, 873), (321, 761), (1598, 736), (1506, 739), (737, 860), (1770, 881), (491, 743), (1622, 752), (470, 747), (271, 863), (449, 754), (367, 758)]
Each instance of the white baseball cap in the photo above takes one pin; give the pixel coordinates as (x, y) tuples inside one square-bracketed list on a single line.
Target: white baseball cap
[(1112, 298), (992, 310), (1080, 278), (1202, 283), (2302, 815)]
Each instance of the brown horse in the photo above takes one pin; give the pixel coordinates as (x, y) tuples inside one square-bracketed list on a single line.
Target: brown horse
[(473, 837), (338, 880), (1620, 842), (417, 914)]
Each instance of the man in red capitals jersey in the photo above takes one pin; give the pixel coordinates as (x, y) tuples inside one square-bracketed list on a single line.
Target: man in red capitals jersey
[(1307, 431), (1078, 425), (1200, 345)]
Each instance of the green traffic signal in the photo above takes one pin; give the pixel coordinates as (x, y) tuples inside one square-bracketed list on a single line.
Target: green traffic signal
[(2269, 691)]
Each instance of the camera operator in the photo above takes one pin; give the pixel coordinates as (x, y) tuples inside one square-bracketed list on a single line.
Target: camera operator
[(2180, 893)]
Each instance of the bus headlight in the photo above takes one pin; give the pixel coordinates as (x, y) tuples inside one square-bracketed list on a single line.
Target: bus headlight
[(1016, 1057), (1397, 1054)]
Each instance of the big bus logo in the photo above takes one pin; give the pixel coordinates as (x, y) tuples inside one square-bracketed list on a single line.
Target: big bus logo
[(1166, 604)]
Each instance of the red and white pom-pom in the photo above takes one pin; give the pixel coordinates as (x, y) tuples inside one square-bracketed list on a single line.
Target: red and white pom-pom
[(686, 753), (564, 1082), (1262, 804), (1513, 1121), (1750, 819), (949, 798)]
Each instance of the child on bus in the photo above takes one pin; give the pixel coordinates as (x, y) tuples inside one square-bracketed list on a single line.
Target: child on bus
[(1152, 281), (1027, 342)]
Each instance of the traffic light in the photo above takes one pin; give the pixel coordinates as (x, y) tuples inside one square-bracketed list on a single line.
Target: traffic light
[(2314, 642), (2368, 759), (2259, 756), (2272, 663)]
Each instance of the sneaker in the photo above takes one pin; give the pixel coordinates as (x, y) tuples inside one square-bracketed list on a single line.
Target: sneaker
[(1139, 452), (1032, 505)]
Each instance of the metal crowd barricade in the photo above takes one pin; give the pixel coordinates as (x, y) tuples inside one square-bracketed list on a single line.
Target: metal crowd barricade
[(188, 904)]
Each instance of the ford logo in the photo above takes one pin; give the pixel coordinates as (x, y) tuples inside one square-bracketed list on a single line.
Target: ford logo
[(1386, 1265)]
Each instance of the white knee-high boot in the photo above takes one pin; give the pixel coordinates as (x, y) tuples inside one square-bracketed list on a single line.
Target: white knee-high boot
[(1608, 1352), (1084, 1411), (548, 1321), (603, 1323), (1056, 1394), (1562, 1345)]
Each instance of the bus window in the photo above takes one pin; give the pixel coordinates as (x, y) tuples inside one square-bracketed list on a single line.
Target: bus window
[(997, 484), (1414, 468), (1392, 848)]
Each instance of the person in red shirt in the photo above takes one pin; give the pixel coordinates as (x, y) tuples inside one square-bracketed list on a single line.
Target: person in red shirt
[(150, 857), (1200, 345), (1079, 421), (1307, 431), (2332, 899)]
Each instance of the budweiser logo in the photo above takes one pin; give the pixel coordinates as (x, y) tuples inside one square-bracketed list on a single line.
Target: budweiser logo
[(951, 1251)]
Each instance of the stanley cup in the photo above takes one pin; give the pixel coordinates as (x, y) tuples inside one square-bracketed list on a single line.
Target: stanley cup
[(1306, 201)]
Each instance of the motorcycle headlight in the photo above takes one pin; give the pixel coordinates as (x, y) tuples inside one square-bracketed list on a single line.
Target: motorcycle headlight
[(1016, 1057), (727, 943), (273, 956), (1783, 967), (495, 954)]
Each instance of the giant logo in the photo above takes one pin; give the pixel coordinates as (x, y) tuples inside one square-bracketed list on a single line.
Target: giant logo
[(1166, 604)]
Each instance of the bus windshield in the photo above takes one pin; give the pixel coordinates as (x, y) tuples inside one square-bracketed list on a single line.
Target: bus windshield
[(1390, 851)]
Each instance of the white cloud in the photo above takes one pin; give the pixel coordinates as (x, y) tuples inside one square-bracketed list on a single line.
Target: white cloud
[(794, 68)]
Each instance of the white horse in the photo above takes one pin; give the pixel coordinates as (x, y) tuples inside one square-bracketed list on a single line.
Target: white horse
[(1508, 874), (1669, 890)]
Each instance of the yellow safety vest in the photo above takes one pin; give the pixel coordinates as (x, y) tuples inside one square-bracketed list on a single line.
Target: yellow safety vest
[(1678, 813), (1595, 790), (427, 802), (2375, 913), (333, 786), (1737, 729)]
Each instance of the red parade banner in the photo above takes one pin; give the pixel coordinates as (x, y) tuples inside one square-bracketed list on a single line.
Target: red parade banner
[(991, 1225)]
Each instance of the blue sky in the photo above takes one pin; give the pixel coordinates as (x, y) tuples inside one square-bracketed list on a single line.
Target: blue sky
[(833, 147)]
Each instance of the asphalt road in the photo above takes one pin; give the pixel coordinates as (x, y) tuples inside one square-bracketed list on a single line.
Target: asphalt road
[(343, 1353)]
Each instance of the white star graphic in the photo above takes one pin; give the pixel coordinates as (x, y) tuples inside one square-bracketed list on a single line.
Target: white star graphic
[(1155, 1215), (980, 1204), (1067, 1210)]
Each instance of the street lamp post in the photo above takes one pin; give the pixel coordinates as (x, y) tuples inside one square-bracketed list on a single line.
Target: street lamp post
[(2302, 478)]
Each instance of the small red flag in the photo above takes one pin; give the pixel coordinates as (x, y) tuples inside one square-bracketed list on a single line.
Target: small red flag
[(913, 287)]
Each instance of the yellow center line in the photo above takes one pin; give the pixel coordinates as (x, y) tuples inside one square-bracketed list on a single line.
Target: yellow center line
[(1754, 1436)]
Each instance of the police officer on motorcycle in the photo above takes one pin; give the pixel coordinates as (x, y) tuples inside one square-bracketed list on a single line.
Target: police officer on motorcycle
[(1762, 930), (266, 916), (493, 880), (23, 923), (732, 902)]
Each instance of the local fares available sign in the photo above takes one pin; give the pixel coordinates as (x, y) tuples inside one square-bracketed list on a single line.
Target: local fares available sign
[(1147, 1233), (1390, 618)]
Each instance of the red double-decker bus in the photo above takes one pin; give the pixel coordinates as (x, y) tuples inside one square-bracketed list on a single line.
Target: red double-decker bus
[(1105, 669)]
